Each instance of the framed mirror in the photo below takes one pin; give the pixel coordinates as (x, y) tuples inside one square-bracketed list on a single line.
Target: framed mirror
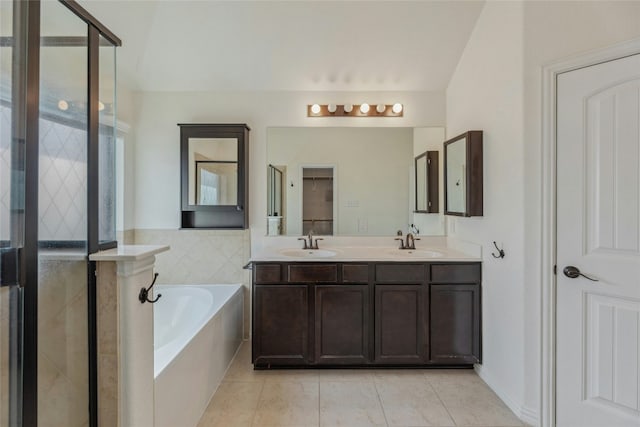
[(214, 180), (427, 183), (463, 174)]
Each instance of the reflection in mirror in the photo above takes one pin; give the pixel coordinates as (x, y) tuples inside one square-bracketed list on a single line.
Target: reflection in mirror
[(373, 186), (427, 183), (213, 171), (317, 200), (421, 183), (456, 153), (275, 202)]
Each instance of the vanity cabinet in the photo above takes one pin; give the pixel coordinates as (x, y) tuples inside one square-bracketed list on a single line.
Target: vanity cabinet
[(362, 314), (454, 308), (341, 324), (400, 313)]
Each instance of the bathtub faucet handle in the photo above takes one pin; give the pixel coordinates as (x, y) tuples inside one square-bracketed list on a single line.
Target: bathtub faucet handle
[(143, 296)]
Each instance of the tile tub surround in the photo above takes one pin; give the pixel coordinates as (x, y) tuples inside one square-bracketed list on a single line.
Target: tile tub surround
[(203, 256), (353, 397)]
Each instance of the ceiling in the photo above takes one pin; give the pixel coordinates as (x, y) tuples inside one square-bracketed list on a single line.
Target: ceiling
[(184, 45)]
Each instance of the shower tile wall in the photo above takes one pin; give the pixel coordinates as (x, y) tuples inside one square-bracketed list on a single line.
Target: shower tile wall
[(107, 316), (62, 287), (62, 343), (5, 170), (203, 256), (63, 182), (4, 356)]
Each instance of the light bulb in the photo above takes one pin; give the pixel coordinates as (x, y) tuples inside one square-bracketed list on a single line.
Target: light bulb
[(380, 108), (397, 108), (63, 105), (348, 108), (100, 106), (364, 108), (315, 109), (332, 108)]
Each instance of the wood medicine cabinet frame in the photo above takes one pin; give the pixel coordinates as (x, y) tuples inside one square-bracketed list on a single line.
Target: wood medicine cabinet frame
[(463, 174), (227, 213)]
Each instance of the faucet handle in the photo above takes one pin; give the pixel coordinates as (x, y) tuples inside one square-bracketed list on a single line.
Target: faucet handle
[(304, 239), (401, 242), (315, 246)]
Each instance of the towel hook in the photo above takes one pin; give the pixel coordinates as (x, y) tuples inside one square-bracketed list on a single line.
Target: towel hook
[(143, 296), (500, 251)]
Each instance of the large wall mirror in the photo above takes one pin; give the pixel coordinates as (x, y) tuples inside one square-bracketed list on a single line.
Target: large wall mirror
[(345, 181), (214, 175), (463, 174)]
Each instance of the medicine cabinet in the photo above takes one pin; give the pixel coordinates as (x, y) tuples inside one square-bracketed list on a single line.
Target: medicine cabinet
[(463, 174), (214, 161)]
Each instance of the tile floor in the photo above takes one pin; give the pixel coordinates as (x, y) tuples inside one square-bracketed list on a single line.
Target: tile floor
[(353, 398)]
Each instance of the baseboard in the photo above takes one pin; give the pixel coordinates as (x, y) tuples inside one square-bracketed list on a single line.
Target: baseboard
[(526, 415)]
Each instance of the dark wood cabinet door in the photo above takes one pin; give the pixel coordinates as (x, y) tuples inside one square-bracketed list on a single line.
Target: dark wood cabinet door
[(400, 324), (455, 324), (342, 324), (281, 325)]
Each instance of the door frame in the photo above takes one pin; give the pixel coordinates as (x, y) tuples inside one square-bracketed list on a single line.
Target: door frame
[(333, 166), (548, 184)]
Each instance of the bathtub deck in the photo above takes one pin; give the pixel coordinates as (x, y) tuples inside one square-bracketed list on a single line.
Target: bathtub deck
[(363, 397)]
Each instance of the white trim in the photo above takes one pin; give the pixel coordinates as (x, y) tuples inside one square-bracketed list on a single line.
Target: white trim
[(527, 415), (548, 211)]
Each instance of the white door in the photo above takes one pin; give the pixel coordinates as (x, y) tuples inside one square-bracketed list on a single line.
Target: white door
[(598, 233)]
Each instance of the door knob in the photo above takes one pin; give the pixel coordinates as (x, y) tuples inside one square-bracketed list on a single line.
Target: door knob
[(573, 272)]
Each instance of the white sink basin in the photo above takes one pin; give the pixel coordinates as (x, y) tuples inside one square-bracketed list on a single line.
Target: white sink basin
[(415, 253), (307, 253)]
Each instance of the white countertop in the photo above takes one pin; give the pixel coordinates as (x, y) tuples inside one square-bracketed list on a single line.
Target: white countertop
[(128, 253), (433, 250)]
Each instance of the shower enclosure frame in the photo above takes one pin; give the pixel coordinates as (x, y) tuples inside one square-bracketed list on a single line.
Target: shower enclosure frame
[(27, 100)]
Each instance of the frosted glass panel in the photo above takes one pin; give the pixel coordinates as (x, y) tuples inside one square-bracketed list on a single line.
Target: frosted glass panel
[(107, 142), (62, 282)]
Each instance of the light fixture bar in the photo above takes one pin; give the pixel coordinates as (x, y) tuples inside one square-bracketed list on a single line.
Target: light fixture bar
[(356, 110)]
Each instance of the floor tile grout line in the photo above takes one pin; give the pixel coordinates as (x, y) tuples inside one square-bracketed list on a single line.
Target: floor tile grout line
[(384, 413), (442, 402), (255, 410)]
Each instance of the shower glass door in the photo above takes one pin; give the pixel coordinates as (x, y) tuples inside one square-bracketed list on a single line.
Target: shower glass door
[(11, 216), (63, 349)]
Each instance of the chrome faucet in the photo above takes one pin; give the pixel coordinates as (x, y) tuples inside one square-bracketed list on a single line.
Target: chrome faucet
[(410, 243), (311, 244)]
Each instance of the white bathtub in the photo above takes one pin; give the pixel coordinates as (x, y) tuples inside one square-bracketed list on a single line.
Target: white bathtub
[(197, 331)]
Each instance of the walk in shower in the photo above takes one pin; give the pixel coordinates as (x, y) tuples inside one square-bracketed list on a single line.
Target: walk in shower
[(57, 206)]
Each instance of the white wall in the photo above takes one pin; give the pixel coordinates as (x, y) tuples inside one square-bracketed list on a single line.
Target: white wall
[(497, 88), (157, 151), (486, 93)]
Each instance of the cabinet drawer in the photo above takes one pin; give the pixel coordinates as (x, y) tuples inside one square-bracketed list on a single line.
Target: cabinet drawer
[(267, 273), (355, 273), (455, 273), (313, 273), (400, 273)]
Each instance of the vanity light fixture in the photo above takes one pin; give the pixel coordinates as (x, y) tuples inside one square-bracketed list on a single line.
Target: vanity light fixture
[(357, 110)]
